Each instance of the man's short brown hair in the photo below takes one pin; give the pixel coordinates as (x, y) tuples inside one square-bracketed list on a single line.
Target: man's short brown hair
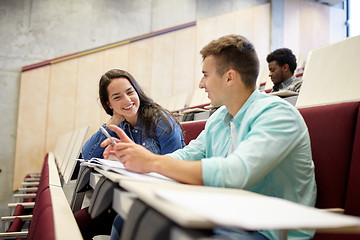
[(237, 53)]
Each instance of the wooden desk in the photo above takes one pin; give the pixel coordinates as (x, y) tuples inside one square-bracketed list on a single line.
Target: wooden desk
[(64, 222), (189, 218), (122, 200), (145, 191), (274, 213)]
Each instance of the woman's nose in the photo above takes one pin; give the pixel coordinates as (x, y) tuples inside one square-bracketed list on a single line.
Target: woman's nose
[(126, 98)]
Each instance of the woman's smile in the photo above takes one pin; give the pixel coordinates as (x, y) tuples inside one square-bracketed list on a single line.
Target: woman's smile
[(130, 106)]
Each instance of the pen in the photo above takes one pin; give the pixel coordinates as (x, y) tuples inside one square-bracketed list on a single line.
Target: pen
[(103, 130)]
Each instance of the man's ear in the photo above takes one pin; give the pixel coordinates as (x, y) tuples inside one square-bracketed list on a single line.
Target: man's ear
[(285, 67), (230, 76)]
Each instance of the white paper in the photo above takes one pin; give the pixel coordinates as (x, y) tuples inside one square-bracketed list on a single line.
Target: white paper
[(284, 93), (118, 167), (253, 212)]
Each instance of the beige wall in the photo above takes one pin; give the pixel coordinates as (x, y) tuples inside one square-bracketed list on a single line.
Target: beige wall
[(62, 97), (307, 26)]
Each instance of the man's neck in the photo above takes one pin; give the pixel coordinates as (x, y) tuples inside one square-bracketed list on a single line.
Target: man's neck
[(238, 100)]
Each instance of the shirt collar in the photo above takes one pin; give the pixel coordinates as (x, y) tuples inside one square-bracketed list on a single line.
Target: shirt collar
[(287, 82), (138, 126), (240, 114)]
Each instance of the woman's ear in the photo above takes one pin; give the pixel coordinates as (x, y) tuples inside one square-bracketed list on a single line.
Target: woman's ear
[(109, 105)]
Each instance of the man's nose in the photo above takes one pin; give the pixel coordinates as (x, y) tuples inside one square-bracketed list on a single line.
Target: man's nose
[(202, 83)]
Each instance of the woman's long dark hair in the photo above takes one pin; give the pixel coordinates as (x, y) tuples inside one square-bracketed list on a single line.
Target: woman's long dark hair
[(149, 111)]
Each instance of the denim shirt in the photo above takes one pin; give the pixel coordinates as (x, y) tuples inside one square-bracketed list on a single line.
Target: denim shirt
[(161, 144)]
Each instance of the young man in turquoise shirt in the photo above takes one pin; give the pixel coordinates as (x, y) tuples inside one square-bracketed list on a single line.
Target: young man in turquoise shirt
[(253, 141)]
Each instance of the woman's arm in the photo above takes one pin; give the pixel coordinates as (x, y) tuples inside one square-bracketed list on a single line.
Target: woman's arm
[(169, 142), (92, 148)]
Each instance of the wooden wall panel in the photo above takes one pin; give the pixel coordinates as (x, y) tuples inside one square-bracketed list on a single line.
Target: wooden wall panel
[(140, 63), (184, 68), (252, 23), (260, 19), (309, 25), (31, 129), (88, 109), (205, 32), (62, 99), (116, 58), (314, 26), (225, 24), (162, 76)]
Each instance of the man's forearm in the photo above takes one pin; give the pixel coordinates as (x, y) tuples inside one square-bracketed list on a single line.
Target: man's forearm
[(189, 172)]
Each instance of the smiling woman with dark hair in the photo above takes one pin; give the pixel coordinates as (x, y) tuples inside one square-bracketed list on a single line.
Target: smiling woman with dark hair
[(144, 121)]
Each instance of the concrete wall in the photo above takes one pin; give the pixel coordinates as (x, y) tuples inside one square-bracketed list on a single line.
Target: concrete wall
[(32, 31)]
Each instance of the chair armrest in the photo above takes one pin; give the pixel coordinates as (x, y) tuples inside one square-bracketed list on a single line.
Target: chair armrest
[(14, 235), (11, 218), (24, 195), (25, 204), (35, 174), (32, 179), (29, 184), (28, 189)]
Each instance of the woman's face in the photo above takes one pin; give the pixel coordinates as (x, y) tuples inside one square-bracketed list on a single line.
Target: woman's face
[(123, 99)]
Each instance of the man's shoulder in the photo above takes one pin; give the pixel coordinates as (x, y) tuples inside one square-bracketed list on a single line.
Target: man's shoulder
[(296, 84), (293, 85), (218, 116), (266, 102)]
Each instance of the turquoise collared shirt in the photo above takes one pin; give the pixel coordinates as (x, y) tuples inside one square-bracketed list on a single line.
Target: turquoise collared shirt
[(272, 154)]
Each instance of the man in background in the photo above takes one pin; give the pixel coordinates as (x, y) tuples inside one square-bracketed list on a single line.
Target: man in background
[(282, 65)]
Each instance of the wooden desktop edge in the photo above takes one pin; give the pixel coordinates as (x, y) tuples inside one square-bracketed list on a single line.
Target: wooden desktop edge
[(185, 218), (145, 191)]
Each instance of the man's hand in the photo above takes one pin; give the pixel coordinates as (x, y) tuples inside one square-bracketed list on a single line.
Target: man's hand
[(134, 157), (138, 159)]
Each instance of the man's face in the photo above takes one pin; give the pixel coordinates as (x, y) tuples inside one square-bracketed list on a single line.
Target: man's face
[(212, 82), (276, 72)]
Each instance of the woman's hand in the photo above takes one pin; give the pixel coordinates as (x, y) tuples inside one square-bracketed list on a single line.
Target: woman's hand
[(115, 119)]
